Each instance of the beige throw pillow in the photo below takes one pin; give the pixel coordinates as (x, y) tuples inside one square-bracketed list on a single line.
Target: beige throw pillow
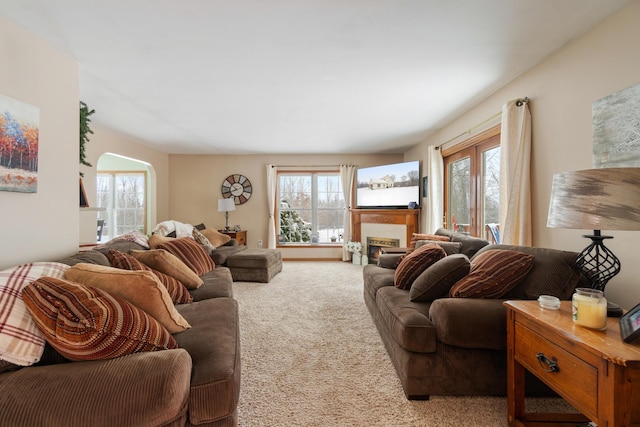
[(169, 264), (215, 237), (141, 288)]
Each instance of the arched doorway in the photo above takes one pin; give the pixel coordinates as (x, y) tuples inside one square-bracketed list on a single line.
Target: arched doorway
[(126, 190)]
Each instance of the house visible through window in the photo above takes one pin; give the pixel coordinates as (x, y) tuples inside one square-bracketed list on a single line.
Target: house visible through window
[(310, 207), (472, 184), (123, 195)]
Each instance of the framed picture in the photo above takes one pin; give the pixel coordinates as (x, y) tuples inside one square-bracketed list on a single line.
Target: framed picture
[(630, 325)]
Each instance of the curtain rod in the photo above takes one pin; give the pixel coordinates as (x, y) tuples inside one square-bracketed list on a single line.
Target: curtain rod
[(519, 102)]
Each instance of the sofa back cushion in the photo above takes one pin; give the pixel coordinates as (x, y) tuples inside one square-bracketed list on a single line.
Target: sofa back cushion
[(554, 272), (86, 323)]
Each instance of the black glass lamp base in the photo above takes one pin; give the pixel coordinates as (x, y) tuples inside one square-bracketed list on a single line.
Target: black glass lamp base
[(613, 310)]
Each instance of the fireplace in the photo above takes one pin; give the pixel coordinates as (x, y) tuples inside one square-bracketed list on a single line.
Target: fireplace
[(375, 245)]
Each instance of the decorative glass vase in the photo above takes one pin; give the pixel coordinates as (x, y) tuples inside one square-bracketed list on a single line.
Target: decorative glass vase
[(357, 258)]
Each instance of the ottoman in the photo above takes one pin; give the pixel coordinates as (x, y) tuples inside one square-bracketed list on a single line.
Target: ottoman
[(255, 265)]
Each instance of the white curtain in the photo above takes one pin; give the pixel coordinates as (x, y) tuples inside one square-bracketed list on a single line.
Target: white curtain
[(271, 201), (515, 174), (347, 174), (434, 209)]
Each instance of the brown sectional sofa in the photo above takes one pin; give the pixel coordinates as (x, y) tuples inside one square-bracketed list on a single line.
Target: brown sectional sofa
[(457, 346), (195, 384)]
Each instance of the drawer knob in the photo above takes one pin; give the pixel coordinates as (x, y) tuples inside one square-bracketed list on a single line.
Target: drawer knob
[(548, 365)]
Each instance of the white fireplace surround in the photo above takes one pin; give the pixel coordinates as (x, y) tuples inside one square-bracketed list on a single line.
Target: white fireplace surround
[(390, 231)]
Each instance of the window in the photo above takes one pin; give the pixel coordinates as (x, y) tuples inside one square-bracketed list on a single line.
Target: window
[(123, 195), (472, 184), (311, 207)]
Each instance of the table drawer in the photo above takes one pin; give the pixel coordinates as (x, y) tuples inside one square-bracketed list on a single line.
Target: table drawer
[(575, 380)]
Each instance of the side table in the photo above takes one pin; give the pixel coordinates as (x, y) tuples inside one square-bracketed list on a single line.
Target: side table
[(240, 236), (595, 371)]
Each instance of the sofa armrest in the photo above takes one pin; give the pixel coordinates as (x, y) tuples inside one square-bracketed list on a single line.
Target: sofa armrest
[(470, 322), (389, 260), (232, 242), (139, 389)]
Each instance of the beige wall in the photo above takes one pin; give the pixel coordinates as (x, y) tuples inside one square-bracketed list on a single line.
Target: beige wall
[(562, 90), (196, 181), (43, 225)]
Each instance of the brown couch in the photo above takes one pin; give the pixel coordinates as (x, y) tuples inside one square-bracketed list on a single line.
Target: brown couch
[(457, 346), (196, 384)]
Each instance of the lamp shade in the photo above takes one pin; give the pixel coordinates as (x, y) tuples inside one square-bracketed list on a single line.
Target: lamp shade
[(226, 205), (596, 199)]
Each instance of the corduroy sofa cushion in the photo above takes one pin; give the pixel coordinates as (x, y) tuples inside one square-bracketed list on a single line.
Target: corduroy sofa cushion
[(177, 291), (140, 288), (166, 262), (414, 263), (86, 323), (141, 389), (214, 346), (191, 253), (493, 274)]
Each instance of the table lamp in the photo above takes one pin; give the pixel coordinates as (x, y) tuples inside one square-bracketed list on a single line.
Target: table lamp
[(597, 199), (226, 205)]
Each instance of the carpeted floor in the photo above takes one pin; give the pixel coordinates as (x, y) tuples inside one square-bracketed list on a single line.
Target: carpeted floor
[(311, 356)]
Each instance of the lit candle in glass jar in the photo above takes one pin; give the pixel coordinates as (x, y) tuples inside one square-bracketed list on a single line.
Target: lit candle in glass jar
[(589, 308)]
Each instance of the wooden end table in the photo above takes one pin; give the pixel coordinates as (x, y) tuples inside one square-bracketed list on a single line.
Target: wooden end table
[(594, 371)]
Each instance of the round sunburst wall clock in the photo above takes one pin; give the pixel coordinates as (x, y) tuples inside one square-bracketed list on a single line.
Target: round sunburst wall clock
[(237, 186)]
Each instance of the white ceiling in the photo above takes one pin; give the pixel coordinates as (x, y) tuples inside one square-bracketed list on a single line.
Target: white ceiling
[(297, 76)]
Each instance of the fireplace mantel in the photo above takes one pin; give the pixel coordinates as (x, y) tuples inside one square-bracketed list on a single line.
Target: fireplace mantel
[(408, 217)]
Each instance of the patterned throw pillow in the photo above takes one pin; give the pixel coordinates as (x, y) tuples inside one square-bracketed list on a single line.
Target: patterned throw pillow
[(200, 238), (177, 291), (163, 261), (417, 236), (191, 253), (85, 323), (133, 236), (140, 288), (413, 264), (436, 281), (493, 273), (21, 342)]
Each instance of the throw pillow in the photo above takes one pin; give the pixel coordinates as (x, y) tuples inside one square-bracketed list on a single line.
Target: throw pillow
[(133, 236), (85, 323), (493, 273), (177, 291), (417, 236), (436, 281), (191, 253), (216, 238), (21, 342), (157, 239), (414, 263), (140, 288), (163, 261), (201, 239)]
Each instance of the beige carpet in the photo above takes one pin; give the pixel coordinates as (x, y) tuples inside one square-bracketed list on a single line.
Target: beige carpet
[(311, 356)]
